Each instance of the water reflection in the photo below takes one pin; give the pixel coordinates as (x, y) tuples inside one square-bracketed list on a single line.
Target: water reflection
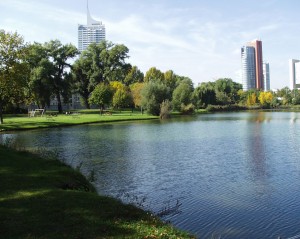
[(256, 147)]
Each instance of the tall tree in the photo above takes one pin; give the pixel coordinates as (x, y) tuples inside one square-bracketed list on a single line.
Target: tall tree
[(102, 62), (136, 90), (42, 72), (81, 84), (134, 76), (170, 79), (153, 74), (13, 70), (59, 55)]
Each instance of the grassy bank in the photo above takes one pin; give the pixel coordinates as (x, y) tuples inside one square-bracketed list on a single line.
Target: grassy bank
[(22, 122), (42, 198)]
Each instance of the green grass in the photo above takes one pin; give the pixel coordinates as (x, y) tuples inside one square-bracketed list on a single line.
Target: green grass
[(42, 198), (84, 117)]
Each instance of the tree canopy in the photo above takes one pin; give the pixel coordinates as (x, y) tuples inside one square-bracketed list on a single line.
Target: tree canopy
[(14, 70)]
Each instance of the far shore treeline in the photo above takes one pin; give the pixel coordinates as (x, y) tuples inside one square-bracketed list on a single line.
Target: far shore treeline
[(35, 73)]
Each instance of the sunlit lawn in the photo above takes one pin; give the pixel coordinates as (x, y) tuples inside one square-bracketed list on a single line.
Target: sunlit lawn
[(82, 117), (42, 198)]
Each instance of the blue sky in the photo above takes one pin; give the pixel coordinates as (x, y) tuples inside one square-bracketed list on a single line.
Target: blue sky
[(200, 39)]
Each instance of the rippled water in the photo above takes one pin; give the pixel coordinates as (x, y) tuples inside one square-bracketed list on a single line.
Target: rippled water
[(234, 175)]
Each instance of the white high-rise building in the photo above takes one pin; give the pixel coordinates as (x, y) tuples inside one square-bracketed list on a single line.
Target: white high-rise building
[(93, 32), (248, 67), (294, 66), (266, 73)]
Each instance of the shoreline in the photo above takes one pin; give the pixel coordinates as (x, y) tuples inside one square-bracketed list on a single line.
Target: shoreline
[(23, 123), (59, 200)]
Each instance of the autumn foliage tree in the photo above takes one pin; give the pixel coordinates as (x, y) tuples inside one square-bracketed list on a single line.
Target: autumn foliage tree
[(251, 99), (265, 99)]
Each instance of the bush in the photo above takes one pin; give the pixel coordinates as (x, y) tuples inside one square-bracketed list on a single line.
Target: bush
[(216, 108), (153, 95), (187, 109), (165, 109)]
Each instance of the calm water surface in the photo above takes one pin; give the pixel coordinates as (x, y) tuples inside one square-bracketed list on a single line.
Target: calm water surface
[(234, 175)]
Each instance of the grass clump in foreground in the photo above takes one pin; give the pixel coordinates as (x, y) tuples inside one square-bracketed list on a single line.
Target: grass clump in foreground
[(42, 198)]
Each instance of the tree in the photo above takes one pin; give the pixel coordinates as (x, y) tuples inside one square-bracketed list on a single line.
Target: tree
[(122, 98), (14, 71), (134, 76), (102, 62), (296, 97), (205, 94), (251, 99), (182, 95), (101, 96), (42, 71), (81, 81), (265, 99), (136, 90), (121, 95), (285, 94), (153, 94), (227, 91), (170, 79), (153, 74), (59, 55)]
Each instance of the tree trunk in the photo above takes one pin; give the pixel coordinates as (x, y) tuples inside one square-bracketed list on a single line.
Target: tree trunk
[(1, 113), (59, 106), (101, 110), (86, 103)]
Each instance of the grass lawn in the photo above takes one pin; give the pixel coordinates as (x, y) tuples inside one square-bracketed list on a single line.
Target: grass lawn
[(43, 199), (82, 117)]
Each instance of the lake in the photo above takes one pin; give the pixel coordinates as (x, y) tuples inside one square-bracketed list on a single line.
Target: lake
[(228, 175)]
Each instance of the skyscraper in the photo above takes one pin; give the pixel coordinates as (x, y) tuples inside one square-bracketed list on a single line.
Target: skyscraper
[(266, 73), (294, 66), (252, 65), (248, 67), (93, 32)]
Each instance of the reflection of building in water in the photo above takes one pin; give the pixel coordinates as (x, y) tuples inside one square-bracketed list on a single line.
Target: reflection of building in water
[(293, 117), (255, 145)]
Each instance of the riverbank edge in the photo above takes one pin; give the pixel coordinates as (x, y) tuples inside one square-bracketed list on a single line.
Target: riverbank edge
[(213, 109), (58, 124), (43, 198)]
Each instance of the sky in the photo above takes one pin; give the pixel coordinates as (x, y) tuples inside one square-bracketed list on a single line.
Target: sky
[(200, 39)]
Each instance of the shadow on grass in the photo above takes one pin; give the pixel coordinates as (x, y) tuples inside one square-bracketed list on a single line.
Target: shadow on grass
[(64, 214), (35, 204)]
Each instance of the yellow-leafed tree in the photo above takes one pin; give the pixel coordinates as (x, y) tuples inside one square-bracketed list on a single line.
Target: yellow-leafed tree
[(251, 99), (265, 98)]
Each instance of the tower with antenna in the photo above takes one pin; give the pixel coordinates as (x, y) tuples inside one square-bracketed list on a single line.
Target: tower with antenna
[(92, 32)]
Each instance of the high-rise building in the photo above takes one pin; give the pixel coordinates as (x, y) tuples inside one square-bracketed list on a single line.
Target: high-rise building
[(93, 32), (266, 73), (294, 66), (248, 67), (252, 65)]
